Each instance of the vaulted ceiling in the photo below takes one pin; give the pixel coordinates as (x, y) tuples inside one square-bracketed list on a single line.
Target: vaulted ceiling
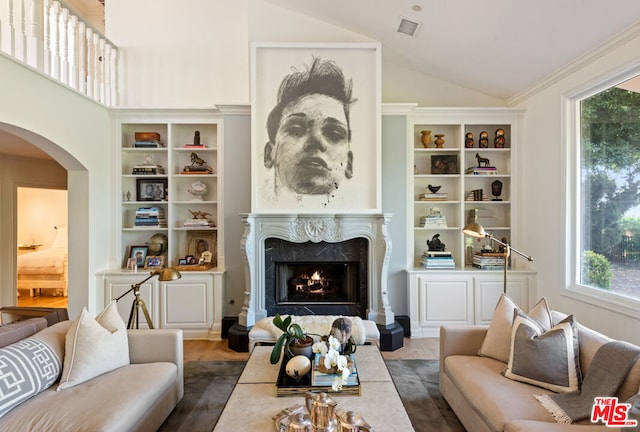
[(497, 47), (501, 48)]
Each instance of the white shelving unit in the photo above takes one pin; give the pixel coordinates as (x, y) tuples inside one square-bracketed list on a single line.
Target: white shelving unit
[(464, 295), (199, 310)]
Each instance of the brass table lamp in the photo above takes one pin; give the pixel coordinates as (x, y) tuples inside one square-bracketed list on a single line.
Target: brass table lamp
[(476, 230), (164, 275)]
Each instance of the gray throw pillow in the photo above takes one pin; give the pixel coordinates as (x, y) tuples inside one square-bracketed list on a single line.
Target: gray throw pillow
[(548, 359)]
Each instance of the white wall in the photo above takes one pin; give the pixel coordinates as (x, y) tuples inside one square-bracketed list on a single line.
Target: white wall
[(545, 196), (39, 211), (75, 131), (180, 54)]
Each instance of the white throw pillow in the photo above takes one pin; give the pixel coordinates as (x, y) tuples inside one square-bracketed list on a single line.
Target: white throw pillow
[(94, 347), (497, 342)]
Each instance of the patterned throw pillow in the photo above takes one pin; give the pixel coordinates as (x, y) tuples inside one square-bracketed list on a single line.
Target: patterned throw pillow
[(27, 367), (548, 359)]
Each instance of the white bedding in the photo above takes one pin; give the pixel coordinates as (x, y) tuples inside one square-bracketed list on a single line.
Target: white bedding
[(45, 261)]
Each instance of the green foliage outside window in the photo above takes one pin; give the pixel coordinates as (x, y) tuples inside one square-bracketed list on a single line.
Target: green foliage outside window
[(596, 270)]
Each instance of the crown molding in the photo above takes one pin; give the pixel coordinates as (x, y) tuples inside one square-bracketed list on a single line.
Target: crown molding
[(589, 57)]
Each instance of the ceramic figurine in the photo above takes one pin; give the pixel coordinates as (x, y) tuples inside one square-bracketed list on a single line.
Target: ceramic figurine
[(498, 141), (484, 140), (468, 140)]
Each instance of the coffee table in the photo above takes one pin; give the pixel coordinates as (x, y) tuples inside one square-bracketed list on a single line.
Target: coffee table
[(253, 401)]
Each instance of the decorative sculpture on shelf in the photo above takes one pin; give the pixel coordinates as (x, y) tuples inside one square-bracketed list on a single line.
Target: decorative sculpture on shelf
[(496, 190), (484, 140), (468, 140), (433, 189), (435, 244), (199, 214), (482, 161), (499, 140), (198, 189)]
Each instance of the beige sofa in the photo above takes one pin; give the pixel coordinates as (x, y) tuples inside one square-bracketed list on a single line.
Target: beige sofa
[(135, 397), (484, 400)]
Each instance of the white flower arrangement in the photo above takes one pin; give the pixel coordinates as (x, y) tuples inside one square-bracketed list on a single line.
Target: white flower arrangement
[(333, 361)]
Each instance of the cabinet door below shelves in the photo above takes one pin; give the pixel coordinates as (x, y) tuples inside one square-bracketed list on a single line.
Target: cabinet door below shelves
[(115, 286), (188, 302)]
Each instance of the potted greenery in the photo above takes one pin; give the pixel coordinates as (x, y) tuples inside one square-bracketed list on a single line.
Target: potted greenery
[(291, 339)]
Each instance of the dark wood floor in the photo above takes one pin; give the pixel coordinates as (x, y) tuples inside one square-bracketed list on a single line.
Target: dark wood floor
[(424, 348)]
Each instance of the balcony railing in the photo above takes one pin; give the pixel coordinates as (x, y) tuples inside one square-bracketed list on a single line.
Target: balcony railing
[(51, 38)]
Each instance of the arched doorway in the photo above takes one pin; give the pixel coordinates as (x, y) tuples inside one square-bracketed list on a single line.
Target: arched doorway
[(21, 150)]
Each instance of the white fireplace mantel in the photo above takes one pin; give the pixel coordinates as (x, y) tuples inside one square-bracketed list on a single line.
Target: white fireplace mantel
[(331, 228)]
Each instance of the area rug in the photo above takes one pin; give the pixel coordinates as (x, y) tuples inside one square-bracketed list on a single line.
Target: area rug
[(417, 384), (208, 384)]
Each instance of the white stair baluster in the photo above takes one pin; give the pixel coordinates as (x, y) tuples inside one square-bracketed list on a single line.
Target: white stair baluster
[(90, 63), (35, 39), (53, 34), (64, 47), (72, 28), (82, 57)]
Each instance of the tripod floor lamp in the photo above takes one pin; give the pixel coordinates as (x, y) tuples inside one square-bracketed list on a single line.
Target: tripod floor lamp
[(164, 275), (476, 230)]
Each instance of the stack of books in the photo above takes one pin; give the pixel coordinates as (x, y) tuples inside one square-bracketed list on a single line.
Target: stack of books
[(488, 260), (150, 217), (439, 196), (319, 379), (146, 169), (201, 223), (147, 140), (434, 219), (476, 195), (194, 146), (437, 260), (485, 171)]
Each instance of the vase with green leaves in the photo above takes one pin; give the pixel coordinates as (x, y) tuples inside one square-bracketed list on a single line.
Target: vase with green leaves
[(292, 341)]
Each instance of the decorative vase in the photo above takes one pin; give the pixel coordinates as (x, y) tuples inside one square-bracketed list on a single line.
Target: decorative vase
[(304, 348), (439, 140), (425, 138)]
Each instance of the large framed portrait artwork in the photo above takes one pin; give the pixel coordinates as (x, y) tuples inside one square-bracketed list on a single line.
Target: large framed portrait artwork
[(315, 128)]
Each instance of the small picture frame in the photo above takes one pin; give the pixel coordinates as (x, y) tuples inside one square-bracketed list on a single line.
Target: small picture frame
[(154, 262), (132, 264), (182, 261), (444, 164), (139, 254), (151, 189)]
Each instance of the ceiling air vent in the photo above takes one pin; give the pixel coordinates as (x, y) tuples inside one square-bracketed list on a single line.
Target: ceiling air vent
[(408, 27)]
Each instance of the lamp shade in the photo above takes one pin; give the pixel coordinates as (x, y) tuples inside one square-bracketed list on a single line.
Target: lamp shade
[(168, 274), (475, 230)]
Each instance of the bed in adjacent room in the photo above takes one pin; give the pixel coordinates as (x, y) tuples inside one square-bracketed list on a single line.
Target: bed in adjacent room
[(45, 268)]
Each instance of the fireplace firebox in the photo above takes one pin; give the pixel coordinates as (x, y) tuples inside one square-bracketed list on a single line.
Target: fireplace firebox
[(300, 283), (316, 278)]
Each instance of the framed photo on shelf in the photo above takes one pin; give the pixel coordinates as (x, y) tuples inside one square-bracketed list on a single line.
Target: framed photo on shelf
[(202, 241), (154, 262), (341, 82), (444, 164), (148, 189), (139, 254)]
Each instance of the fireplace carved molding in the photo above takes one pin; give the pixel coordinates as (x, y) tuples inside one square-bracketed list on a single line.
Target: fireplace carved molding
[(331, 228)]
